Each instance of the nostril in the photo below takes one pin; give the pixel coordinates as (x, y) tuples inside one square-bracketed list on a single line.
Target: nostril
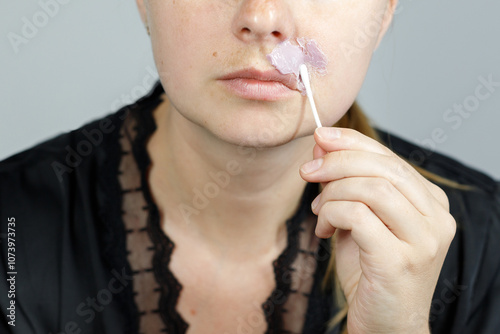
[(276, 34), (245, 30)]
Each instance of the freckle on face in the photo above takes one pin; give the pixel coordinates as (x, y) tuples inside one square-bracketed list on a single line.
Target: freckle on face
[(215, 54)]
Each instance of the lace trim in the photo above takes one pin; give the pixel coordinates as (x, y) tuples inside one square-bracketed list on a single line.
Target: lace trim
[(163, 246), (112, 232), (273, 307), (134, 214)]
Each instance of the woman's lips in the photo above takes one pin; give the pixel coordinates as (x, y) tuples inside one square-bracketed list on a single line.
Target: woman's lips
[(252, 84)]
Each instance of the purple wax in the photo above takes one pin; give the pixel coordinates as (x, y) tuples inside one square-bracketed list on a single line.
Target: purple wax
[(287, 58)]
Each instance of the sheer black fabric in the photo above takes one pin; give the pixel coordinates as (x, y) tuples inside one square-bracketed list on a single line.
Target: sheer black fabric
[(91, 256)]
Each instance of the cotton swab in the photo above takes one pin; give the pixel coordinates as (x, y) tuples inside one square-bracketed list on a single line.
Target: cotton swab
[(305, 79)]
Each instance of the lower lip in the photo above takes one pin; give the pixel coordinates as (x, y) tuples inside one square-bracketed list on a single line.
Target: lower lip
[(252, 89)]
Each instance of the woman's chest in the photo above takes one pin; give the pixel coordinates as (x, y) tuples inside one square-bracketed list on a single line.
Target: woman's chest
[(219, 297)]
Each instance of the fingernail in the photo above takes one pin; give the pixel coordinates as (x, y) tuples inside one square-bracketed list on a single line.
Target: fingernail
[(312, 166), (314, 204), (329, 133)]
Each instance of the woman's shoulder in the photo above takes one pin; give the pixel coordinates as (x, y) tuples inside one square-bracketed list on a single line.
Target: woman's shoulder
[(54, 195), (441, 164), (43, 178), (475, 206), (467, 294), (67, 150), (71, 170)]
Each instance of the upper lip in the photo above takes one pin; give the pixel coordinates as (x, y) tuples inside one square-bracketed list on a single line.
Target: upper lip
[(272, 75)]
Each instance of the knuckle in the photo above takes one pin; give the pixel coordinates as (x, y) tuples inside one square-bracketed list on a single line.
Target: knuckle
[(327, 213), (398, 172), (432, 247), (441, 196), (326, 217), (338, 157), (328, 189), (437, 240), (343, 157), (450, 227), (359, 212), (382, 187)]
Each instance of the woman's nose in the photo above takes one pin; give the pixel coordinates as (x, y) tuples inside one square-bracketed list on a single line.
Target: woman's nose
[(263, 20)]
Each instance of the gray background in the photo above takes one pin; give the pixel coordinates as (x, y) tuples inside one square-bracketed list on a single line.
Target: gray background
[(90, 57)]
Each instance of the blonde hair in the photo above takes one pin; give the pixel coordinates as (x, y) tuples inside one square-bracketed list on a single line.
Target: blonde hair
[(357, 120)]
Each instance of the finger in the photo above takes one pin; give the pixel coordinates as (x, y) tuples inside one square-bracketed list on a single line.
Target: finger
[(342, 164), (335, 139), (318, 152), (367, 230), (385, 201)]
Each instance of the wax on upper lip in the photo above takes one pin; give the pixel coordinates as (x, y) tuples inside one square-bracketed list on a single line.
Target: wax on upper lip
[(287, 58)]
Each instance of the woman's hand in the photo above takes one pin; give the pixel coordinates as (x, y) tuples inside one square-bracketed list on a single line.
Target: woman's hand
[(393, 230)]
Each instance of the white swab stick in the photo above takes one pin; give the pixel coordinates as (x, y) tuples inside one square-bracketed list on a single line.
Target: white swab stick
[(305, 79)]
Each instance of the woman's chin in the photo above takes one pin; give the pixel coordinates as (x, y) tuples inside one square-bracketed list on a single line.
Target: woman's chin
[(260, 135), (250, 123)]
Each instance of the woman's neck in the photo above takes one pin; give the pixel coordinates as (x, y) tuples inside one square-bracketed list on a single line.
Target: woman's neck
[(227, 195)]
